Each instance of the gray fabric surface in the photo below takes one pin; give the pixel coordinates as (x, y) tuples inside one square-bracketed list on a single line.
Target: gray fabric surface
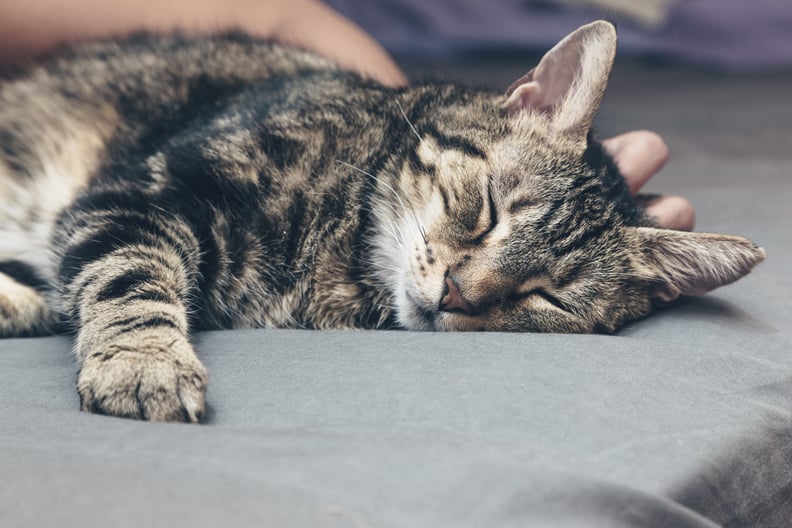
[(684, 419)]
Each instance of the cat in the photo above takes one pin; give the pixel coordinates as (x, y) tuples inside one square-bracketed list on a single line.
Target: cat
[(156, 185)]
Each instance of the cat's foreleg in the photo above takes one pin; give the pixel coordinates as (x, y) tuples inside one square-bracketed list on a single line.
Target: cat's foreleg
[(127, 281)]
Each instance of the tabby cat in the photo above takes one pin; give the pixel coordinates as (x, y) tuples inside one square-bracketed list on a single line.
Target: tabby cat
[(162, 184)]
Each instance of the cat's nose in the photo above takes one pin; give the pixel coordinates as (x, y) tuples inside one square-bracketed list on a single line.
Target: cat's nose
[(452, 299)]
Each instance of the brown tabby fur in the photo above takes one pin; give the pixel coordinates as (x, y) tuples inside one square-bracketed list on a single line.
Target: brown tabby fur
[(158, 185)]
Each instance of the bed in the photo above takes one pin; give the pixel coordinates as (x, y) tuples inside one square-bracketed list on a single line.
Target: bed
[(683, 419)]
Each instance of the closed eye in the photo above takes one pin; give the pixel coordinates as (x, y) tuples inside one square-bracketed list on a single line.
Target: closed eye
[(493, 216), (523, 203), (546, 296)]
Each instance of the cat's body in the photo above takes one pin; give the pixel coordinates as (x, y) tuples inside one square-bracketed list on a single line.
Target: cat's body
[(159, 185), (202, 134)]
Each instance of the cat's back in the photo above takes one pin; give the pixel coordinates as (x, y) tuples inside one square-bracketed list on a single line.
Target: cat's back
[(113, 86), (65, 117)]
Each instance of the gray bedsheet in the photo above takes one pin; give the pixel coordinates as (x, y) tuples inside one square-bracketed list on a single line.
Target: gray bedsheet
[(684, 419)]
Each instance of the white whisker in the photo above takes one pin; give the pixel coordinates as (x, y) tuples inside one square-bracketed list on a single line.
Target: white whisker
[(407, 212), (408, 122)]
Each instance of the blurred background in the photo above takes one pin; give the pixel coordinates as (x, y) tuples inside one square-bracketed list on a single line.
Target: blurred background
[(736, 35)]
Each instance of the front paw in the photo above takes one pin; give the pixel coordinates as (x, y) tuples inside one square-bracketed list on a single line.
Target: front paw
[(151, 378)]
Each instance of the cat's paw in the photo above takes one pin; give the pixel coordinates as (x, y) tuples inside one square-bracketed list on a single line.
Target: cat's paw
[(149, 379), (23, 311)]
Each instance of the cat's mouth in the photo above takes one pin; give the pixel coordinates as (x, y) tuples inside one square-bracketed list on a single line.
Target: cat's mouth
[(419, 317)]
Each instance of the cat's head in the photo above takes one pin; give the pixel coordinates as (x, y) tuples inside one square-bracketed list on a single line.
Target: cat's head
[(508, 217)]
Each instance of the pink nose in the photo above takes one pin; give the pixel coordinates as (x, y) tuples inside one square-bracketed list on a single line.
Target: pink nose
[(452, 300)]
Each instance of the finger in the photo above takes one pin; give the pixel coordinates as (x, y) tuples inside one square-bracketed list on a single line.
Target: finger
[(639, 155), (671, 212)]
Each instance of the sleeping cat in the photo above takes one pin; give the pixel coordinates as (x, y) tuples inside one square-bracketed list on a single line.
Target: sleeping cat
[(161, 184)]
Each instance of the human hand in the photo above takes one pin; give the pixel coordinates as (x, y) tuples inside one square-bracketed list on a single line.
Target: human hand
[(640, 155)]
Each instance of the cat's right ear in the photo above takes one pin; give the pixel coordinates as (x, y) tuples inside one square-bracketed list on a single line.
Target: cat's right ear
[(681, 263), (570, 80)]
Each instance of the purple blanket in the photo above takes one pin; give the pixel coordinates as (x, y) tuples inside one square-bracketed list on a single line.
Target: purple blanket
[(733, 34)]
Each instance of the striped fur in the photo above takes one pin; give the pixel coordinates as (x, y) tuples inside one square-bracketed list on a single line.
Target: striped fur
[(160, 185)]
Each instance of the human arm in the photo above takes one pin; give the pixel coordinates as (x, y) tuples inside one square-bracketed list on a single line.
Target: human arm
[(31, 27)]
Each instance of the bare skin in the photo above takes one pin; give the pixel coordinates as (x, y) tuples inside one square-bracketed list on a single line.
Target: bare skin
[(640, 155), (31, 27)]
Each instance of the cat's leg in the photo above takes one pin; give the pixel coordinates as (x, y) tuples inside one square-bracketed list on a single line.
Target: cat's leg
[(23, 310), (126, 278)]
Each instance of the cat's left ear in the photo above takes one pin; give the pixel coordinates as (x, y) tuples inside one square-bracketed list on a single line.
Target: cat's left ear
[(570, 80), (681, 263)]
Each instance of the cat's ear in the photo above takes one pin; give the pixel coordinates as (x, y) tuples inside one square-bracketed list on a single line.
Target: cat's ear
[(681, 263), (570, 80)]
